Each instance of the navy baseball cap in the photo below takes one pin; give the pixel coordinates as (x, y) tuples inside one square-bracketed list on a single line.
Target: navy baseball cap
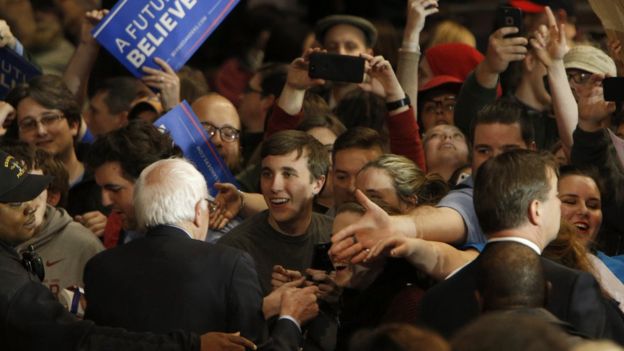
[(16, 184)]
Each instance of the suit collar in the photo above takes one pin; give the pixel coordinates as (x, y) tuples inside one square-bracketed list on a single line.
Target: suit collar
[(168, 230)]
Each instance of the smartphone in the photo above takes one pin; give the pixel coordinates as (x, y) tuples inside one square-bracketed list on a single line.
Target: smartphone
[(320, 258), (338, 68), (613, 88), (509, 17)]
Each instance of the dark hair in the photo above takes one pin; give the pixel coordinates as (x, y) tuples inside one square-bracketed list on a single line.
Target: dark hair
[(286, 40), (588, 171), (504, 111), (568, 249), (135, 146), (506, 184), (50, 92), (287, 141), (121, 91), (359, 138), (360, 108), (327, 120), (397, 337), (52, 165), (509, 331), (510, 275)]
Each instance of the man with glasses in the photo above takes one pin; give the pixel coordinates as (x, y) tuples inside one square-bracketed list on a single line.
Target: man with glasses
[(48, 118), (220, 119), (32, 319)]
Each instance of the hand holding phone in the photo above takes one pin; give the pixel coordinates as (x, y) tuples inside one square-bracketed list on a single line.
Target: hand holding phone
[(320, 258), (338, 68), (509, 17)]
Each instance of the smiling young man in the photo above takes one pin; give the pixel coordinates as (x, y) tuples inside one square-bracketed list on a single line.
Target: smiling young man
[(294, 167)]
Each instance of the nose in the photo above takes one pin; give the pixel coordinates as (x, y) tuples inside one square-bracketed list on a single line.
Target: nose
[(106, 200), (276, 184), (341, 50), (41, 130), (216, 139), (29, 208), (583, 210)]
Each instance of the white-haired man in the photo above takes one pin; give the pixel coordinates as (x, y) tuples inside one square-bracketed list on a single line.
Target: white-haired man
[(192, 285)]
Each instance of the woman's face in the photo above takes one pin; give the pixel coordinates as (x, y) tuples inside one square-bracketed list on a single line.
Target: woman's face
[(580, 204), (377, 185)]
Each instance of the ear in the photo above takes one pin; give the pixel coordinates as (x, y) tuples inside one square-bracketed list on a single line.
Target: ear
[(535, 212), (54, 197), (74, 127), (199, 218), (317, 185)]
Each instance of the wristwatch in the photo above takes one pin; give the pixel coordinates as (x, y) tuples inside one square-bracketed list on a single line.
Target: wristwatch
[(393, 105)]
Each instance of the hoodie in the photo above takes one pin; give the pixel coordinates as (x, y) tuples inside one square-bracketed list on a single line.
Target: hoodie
[(65, 246)]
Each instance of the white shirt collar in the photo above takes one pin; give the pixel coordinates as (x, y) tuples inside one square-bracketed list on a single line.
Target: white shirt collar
[(520, 240)]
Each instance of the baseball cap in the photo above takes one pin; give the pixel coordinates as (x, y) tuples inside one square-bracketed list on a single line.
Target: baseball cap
[(16, 184), (324, 24), (537, 6), (453, 83), (590, 59)]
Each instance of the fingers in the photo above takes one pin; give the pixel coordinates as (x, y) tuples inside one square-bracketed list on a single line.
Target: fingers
[(235, 338), (164, 65), (552, 22)]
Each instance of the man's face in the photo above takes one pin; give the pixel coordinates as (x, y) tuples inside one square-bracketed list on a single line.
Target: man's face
[(216, 115), (347, 164), (552, 209), (445, 144), (493, 139), (117, 192), (99, 118), (345, 39), (17, 221), (45, 128), (288, 190), (438, 110)]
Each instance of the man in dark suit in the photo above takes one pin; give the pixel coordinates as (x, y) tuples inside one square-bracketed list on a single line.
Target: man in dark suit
[(515, 198), (171, 279)]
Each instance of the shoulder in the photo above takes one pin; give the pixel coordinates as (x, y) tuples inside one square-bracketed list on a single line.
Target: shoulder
[(247, 231)]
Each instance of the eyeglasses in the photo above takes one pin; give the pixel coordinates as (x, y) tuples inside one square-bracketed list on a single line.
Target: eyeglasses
[(579, 77), (33, 262), (29, 124), (446, 105), (227, 133)]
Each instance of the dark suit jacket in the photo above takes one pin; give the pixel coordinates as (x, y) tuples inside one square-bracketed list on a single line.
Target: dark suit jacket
[(575, 297), (167, 281)]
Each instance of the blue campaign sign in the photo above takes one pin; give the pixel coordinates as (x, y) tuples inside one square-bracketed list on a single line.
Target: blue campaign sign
[(137, 31), (14, 69), (188, 133)]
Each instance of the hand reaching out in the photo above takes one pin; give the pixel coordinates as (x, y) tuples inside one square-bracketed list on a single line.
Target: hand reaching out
[(550, 42)]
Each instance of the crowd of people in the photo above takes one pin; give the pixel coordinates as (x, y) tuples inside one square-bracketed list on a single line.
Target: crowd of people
[(452, 200)]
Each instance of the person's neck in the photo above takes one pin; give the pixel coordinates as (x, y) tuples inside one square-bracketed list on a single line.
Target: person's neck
[(445, 170), (524, 232), (295, 227), (74, 168), (526, 94)]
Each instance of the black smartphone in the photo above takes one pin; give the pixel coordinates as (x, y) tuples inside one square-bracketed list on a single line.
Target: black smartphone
[(338, 68), (320, 258), (613, 88), (509, 17)]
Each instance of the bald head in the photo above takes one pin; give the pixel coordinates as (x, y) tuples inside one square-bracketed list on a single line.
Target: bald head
[(219, 117)]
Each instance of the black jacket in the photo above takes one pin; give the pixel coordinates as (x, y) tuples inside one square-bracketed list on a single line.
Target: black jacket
[(32, 319)]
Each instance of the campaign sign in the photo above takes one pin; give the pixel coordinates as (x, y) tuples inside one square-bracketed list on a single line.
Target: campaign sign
[(188, 133), (137, 31), (14, 69)]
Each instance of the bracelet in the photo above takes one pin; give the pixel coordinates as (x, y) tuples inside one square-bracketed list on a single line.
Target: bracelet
[(393, 105), (242, 200)]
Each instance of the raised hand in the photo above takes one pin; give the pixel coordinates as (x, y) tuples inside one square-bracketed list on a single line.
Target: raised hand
[(417, 12), (166, 81), (298, 77), (550, 42), (91, 19), (227, 205)]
